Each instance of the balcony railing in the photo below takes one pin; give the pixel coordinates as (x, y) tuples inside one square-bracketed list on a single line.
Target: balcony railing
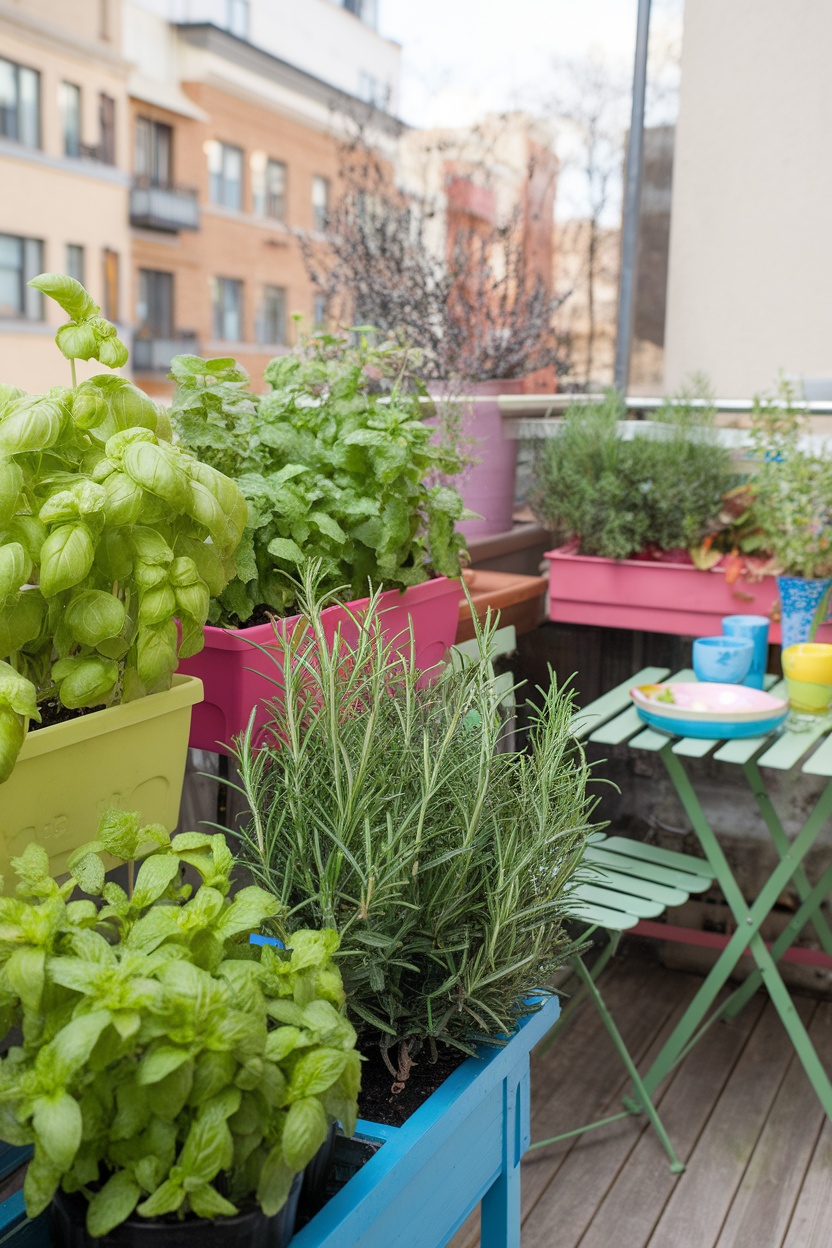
[(153, 355), (163, 206)]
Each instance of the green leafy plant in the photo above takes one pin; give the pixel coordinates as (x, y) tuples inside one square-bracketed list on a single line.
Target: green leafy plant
[(108, 533), (791, 488), (166, 1066), (661, 491), (336, 464), (394, 814)]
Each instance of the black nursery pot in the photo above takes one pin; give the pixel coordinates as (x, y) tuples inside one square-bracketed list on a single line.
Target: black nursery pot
[(313, 1193), (251, 1229)]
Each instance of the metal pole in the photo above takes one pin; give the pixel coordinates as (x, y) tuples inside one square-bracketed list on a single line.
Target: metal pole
[(632, 197)]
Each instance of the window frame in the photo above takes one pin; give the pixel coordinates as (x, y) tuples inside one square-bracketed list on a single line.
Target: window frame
[(320, 215), (76, 271), (263, 197), (219, 178), (30, 303), (281, 337), (220, 309), (65, 88), (152, 149), (17, 69)]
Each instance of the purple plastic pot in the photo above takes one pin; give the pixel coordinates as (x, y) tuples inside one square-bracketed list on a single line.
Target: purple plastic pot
[(237, 676)]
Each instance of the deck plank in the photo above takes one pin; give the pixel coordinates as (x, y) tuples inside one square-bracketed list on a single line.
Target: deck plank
[(628, 1215), (812, 1216), (762, 1208), (700, 1203), (595, 1159)]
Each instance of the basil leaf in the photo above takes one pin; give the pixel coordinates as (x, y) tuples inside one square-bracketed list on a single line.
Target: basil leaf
[(110, 1206), (93, 615), (77, 342), (68, 293), (65, 559), (304, 1132)]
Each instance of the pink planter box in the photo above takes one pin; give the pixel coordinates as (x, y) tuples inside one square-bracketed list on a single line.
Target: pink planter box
[(654, 597), (237, 676)]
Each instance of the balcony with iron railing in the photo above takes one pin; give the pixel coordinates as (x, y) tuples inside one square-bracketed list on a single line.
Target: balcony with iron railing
[(163, 206), (152, 354)]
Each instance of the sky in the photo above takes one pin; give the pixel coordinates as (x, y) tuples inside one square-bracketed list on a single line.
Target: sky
[(462, 58)]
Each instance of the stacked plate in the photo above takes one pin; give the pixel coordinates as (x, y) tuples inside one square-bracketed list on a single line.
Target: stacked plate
[(708, 709)]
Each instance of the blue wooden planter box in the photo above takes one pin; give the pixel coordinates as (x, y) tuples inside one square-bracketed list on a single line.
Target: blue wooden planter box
[(461, 1147)]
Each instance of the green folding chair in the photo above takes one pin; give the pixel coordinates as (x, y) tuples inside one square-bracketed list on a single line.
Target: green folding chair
[(630, 881)]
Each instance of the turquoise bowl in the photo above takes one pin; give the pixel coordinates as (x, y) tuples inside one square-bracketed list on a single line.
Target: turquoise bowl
[(725, 659), (713, 730)]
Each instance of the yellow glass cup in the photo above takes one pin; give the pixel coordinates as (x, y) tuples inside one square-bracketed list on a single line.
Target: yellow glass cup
[(808, 671)]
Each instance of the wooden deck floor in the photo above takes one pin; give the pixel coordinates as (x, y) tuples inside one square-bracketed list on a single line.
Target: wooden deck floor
[(739, 1109)]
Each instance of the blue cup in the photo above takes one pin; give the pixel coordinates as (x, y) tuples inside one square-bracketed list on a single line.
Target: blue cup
[(726, 659), (753, 628)]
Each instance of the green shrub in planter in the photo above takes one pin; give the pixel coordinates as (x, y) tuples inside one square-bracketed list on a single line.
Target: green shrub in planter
[(108, 534), (663, 489), (337, 465), (395, 815), (166, 1066)]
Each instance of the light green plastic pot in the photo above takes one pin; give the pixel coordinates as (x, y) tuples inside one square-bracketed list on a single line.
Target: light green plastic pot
[(131, 757)]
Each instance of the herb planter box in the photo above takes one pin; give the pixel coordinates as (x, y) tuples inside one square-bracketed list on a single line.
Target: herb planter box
[(130, 756), (461, 1147), (520, 600), (654, 597), (238, 676)]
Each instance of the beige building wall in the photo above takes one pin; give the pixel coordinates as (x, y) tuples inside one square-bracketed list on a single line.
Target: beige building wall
[(751, 248), (53, 198)]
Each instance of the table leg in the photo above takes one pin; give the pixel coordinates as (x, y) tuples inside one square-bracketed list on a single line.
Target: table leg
[(783, 846), (747, 935)]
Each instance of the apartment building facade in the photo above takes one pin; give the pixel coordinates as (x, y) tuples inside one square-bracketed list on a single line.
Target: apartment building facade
[(215, 159), (64, 173), (235, 162)]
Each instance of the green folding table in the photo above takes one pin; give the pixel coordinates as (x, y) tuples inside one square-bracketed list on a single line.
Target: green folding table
[(807, 747)]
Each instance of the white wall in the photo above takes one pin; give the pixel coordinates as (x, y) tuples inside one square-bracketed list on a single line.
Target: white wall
[(316, 35), (750, 281)]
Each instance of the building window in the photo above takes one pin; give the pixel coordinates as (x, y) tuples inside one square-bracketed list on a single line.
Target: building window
[(319, 312), (227, 301), (373, 91), (365, 10), (268, 187), (75, 262), (154, 310), (19, 103), (271, 323), (70, 105), (111, 284), (21, 259), (107, 129), (225, 173), (237, 17), (153, 162), (320, 202), (104, 20)]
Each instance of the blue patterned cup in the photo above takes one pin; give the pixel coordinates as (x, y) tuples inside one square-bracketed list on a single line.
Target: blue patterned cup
[(725, 659), (753, 628)]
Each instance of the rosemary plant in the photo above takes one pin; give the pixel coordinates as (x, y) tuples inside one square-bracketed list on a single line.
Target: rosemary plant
[(384, 808)]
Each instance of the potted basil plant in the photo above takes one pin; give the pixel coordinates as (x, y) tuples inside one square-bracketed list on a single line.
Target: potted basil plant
[(109, 534), (173, 1079)]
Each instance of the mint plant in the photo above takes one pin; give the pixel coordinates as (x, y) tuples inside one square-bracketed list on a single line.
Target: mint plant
[(108, 534), (166, 1066), (337, 465)]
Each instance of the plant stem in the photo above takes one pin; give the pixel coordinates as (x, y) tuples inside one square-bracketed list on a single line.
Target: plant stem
[(74, 378)]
